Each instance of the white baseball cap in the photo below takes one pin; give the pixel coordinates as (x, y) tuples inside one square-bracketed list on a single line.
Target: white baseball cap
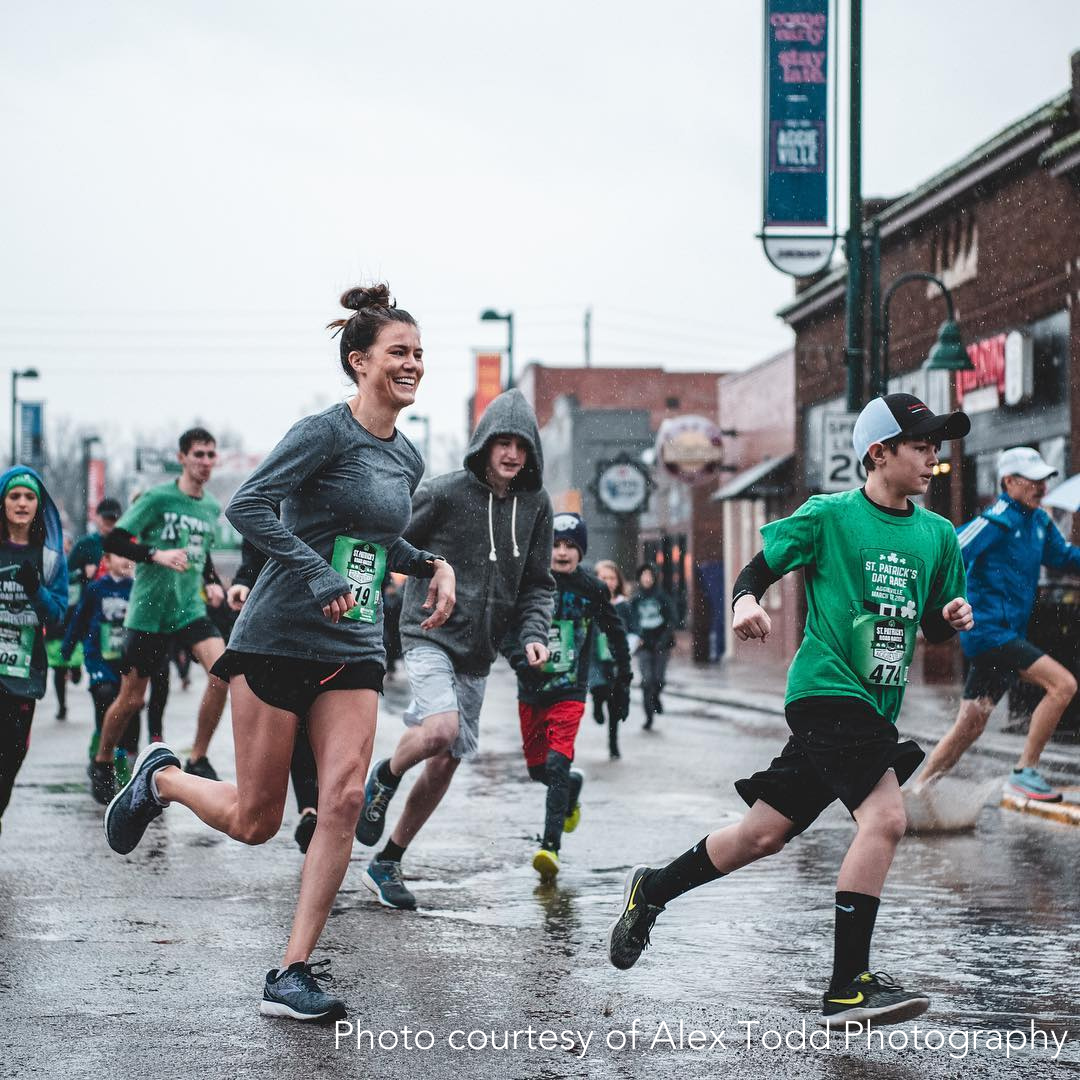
[(1025, 462), (903, 414)]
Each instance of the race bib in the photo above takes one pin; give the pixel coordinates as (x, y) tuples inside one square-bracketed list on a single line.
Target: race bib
[(16, 648), (560, 647), (363, 564), (603, 648), (112, 641), (650, 617), (882, 649), (74, 591)]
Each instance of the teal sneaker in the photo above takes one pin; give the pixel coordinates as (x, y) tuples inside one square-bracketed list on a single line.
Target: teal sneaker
[(383, 878), (1028, 783), (122, 765)]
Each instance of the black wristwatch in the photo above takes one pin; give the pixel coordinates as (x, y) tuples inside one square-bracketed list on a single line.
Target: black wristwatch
[(150, 553)]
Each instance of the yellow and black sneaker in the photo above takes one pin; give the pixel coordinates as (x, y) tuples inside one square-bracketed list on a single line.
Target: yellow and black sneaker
[(546, 864), (628, 937), (871, 998), (573, 817)]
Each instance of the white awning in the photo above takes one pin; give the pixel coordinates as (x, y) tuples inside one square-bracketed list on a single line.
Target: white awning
[(768, 477)]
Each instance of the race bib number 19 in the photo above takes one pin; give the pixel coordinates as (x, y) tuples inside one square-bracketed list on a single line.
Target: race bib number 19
[(16, 648), (363, 565)]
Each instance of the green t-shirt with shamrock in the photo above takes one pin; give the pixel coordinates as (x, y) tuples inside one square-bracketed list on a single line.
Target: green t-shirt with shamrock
[(870, 576), (164, 600)]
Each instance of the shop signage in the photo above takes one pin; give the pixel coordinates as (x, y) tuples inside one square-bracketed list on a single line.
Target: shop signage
[(690, 448), (622, 487), (796, 230), (842, 469), (981, 390), (1019, 368), (488, 383)]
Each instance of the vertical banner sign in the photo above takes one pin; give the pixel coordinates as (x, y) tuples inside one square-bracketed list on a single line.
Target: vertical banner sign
[(95, 486), (32, 434), (797, 216), (488, 383)]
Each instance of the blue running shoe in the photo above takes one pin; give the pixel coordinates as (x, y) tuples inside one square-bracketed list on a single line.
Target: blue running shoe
[(377, 798), (134, 806), (383, 878), (294, 992), (1028, 783)]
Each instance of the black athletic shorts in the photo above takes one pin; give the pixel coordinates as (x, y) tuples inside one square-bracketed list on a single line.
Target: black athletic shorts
[(993, 672), (840, 747), (293, 685), (144, 651)]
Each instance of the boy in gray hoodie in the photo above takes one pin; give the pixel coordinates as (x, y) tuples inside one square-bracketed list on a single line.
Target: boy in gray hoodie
[(496, 519)]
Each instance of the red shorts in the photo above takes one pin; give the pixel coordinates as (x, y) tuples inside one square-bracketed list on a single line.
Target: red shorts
[(549, 727)]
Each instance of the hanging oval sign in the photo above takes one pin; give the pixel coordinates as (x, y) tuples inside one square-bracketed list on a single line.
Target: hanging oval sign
[(690, 448)]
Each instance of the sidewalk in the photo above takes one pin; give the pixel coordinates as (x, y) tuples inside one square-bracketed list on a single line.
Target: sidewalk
[(929, 710)]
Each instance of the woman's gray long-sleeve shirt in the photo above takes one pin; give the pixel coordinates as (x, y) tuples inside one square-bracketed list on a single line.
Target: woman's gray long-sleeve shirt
[(328, 477)]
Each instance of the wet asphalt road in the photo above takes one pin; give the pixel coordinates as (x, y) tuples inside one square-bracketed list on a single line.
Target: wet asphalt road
[(152, 965)]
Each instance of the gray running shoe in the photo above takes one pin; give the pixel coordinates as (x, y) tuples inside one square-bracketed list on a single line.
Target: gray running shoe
[(369, 828), (383, 878), (134, 806), (294, 992), (628, 937)]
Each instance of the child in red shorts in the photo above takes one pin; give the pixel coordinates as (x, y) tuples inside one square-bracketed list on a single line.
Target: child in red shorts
[(551, 700)]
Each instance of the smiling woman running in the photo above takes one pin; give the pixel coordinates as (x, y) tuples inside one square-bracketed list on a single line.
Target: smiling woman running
[(308, 645)]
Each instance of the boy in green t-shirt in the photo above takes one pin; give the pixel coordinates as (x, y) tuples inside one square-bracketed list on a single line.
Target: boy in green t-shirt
[(168, 532), (876, 567)]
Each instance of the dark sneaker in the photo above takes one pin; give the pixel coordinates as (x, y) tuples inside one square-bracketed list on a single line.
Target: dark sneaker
[(628, 937), (295, 992), (135, 806), (305, 831), (871, 998), (377, 796), (383, 878), (102, 781), (201, 767), (573, 816)]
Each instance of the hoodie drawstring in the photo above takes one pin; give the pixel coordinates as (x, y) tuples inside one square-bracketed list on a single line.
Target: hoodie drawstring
[(492, 556)]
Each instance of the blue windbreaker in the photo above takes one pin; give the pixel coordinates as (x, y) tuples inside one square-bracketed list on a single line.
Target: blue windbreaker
[(1003, 549), (98, 623)]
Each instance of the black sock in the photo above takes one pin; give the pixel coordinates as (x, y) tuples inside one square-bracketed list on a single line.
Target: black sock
[(691, 869), (385, 775), (391, 853), (855, 915)]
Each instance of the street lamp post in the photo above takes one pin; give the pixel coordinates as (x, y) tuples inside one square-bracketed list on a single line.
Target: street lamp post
[(493, 316), (87, 446), (29, 373), (948, 353)]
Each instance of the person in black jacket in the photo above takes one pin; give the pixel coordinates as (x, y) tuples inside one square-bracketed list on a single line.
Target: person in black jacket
[(602, 684), (551, 699), (653, 619)]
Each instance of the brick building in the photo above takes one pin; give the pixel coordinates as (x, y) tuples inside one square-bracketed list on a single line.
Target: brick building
[(1001, 228), (589, 415)]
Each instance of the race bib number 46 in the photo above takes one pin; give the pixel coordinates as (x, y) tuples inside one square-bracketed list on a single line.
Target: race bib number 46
[(363, 564), (560, 647)]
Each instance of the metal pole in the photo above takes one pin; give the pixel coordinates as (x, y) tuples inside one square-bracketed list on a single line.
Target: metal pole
[(855, 293), (876, 385), (510, 351), (588, 337), (14, 378)]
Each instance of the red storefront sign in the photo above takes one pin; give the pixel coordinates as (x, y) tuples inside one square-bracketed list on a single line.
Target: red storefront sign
[(488, 383), (988, 356)]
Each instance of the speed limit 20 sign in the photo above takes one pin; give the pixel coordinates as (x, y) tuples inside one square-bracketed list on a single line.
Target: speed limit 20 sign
[(841, 470)]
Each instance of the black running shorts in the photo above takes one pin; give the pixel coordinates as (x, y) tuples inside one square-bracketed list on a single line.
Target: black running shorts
[(840, 747), (293, 685), (993, 672), (144, 651)]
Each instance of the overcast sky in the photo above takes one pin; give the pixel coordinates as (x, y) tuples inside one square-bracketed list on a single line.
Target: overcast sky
[(188, 186)]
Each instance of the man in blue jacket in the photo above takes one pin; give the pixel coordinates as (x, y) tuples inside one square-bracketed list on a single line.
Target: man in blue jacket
[(1003, 549)]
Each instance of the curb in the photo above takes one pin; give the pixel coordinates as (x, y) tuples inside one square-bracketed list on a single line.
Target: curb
[(1065, 813)]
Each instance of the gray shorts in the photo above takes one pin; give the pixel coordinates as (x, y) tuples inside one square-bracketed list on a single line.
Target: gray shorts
[(438, 688)]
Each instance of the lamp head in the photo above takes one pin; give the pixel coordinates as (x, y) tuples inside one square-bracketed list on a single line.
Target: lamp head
[(948, 353), (491, 315)]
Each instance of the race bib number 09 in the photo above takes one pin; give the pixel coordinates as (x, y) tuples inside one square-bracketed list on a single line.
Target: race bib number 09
[(16, 648), (363, 564)]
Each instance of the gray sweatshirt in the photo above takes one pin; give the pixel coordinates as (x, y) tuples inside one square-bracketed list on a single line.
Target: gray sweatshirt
[(328, 477), (500, 548)]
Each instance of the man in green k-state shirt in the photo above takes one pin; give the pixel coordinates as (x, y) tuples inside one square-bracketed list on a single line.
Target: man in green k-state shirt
[(168, 531), (876, 568)]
